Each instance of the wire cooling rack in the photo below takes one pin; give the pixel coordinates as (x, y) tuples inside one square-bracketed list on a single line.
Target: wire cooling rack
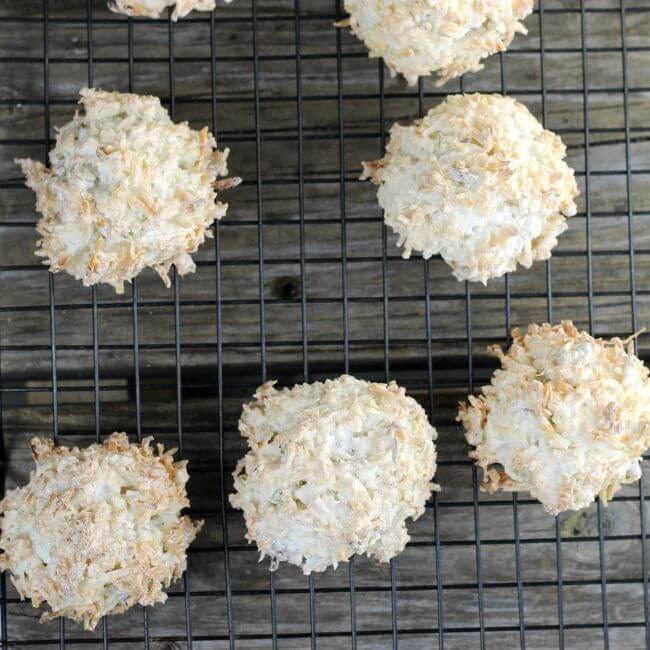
[(302, 282)]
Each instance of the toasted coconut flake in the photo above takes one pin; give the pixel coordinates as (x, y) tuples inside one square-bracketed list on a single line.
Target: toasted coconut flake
[(334, 469), (127, 189), (450, 37), (479, 181), (156, 8), (97, 530), (567, 417)]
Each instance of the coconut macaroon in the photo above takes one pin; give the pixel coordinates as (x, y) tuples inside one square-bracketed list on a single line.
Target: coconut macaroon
[(97, 530), (567, 417), (450, 37), (156, 8), (479, 181), (334, 469), (127, 189)]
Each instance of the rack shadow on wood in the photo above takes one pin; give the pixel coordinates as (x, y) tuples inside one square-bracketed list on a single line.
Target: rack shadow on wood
[(303, 282)]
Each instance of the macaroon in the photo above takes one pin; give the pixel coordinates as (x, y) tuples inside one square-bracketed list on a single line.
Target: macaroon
[(480, 182), (451, 37), (126, 189), (334, 468), (157, 8), (566, 417), (97, 530)]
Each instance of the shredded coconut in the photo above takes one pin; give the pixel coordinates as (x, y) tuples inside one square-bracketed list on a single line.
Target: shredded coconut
[(97, 530), (334, 469), (567, 417), (451, 37), (478, 181), (156, 8), (127, 189)]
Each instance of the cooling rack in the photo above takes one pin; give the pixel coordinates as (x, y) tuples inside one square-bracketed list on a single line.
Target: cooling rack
[(302, 282)]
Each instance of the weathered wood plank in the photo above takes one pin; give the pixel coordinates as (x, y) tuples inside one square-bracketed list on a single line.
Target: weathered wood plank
[(25, 362)]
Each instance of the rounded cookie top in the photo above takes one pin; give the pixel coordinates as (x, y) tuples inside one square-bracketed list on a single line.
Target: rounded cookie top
[(450, 37), (334, 468), (479, 181), (126, 189), (567, 417), (97, 530)]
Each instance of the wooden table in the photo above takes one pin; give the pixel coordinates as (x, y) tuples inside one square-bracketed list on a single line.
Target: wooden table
[(303, 282)]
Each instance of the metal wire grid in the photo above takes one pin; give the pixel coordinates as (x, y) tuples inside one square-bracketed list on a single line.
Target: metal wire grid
[(439, 632)]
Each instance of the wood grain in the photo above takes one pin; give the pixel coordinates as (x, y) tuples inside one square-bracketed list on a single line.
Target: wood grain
[(383, 293)]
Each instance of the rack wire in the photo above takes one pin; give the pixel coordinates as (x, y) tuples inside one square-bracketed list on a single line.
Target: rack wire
[(303, 282)]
